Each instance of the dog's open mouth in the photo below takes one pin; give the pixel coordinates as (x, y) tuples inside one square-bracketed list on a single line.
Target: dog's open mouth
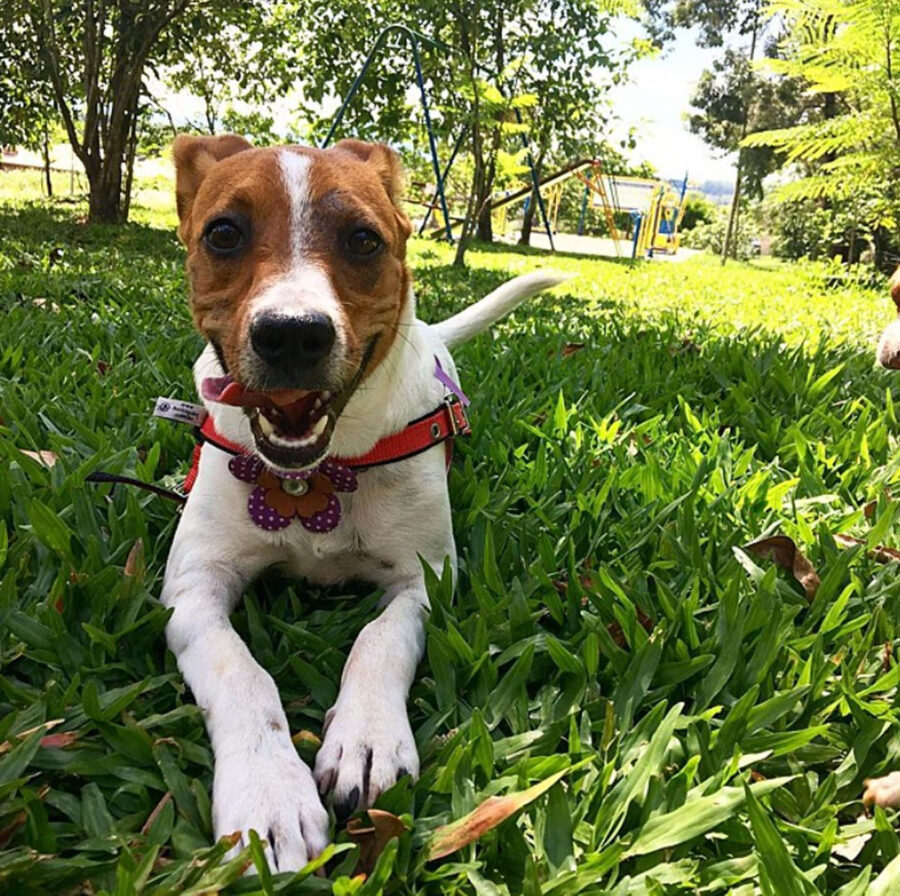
[(292, 428)]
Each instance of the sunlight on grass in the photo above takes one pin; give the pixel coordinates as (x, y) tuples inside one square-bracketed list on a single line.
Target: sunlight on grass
[(631, 431)]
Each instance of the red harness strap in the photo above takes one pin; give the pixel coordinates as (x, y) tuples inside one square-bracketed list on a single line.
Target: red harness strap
[(444, 423)]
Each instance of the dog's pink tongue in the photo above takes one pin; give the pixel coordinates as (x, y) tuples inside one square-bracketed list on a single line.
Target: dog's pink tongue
[(225, 390)]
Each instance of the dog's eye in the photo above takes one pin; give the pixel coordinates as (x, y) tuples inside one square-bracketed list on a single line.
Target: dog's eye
[(364, 242), (223, 236)]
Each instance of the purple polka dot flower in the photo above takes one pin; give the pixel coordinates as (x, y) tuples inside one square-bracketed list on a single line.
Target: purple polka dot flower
[(308, 496)]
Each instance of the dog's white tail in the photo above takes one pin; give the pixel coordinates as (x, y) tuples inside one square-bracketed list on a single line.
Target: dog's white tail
[(479, 317)]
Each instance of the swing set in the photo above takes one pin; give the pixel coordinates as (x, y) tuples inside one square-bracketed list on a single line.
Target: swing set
[(413, 40), (655, 207)]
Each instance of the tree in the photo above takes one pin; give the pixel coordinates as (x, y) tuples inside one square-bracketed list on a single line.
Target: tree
[(727, 95), (251, 58), (570, 112), (734, 99), (847, 148), (26, 104), (94, 55), (479, 59)]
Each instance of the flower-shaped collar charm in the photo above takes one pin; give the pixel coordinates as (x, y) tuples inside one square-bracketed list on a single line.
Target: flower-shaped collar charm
[(309, 496)]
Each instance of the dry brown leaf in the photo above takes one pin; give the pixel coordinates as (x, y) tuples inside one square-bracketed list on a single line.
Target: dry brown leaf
[(46, 458), (485, 817), (134, 563), (570, 348), (372, 838), (155, 813), (60, 741), (7, 831), (783, 552), (13, 739), (882, 553)]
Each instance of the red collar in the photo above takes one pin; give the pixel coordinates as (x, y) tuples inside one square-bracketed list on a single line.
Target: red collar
[(441, 425)]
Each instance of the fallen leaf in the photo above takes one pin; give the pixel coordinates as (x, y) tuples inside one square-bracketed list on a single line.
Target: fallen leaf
[(12, 739), (570, 348), (7, 831), (850, 849), (618, 633), (882, 553), (45, 303), (372, 838), (155, 813), (485, 817), (134, 563), (783, 552), (45, 458), (60, 741)]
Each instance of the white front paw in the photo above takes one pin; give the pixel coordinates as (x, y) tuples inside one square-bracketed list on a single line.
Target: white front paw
[(275, 795), (368, 746)]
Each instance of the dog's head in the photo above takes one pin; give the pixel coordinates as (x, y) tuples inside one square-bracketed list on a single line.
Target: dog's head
[(297, 263), (889, 344)]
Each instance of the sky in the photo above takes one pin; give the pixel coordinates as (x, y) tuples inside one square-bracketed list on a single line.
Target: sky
[(655, 102)]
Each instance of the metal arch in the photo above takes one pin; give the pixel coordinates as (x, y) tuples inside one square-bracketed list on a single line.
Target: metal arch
[(413, 38)]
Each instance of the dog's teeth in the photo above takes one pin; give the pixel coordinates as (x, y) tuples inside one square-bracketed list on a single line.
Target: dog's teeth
[(326, 396), (266, 425), (319, 426), (317, 404)]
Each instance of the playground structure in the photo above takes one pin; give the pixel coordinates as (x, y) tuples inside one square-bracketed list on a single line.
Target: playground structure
[(655, 207)]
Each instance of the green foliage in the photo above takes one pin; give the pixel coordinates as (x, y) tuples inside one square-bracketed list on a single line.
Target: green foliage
[(715, 726), (845, 52), (710, 234), (697, 210)]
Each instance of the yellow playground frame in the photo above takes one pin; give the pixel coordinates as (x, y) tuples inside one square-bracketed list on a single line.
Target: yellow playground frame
[(656, 206)]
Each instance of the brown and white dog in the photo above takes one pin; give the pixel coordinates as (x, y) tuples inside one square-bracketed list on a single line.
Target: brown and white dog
[(299, 283), (886, 791)]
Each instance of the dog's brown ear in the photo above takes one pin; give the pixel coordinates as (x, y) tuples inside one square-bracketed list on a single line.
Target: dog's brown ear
[(194, 157), (389, 168), (894, 283)]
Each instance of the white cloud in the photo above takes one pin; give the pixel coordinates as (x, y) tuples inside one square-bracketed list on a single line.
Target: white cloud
[(655, 102)]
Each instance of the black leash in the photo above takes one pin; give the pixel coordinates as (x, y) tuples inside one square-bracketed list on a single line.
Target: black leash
[(98, 476)]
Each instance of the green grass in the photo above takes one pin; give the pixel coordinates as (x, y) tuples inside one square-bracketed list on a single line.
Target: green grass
[(717, 727)]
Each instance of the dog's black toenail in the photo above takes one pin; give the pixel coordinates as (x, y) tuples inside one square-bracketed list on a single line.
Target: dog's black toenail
[(271, 838), (367, 774), (345, 807), (402, 772)]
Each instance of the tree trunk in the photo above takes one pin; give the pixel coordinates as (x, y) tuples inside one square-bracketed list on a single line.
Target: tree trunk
[(528, 221), (730, 234), (46, 153), (485, 229), (528, 216)]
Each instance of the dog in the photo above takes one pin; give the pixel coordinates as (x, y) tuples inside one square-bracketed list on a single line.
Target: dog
[(885, 791), (331, 407)]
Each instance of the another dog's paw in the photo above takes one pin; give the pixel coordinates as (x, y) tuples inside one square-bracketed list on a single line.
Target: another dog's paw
[(368, 746), (276, 796), (883, 791)]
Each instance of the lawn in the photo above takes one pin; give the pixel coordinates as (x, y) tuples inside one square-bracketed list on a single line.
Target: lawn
[(631, 432)]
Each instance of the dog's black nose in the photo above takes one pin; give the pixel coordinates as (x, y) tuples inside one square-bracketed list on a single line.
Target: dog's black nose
[(296, 341)]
